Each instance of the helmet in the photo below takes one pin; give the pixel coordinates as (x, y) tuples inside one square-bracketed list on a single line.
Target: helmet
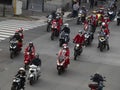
[(21, 69), (30, 44), (65, 46), (66, 25), (37, 55), (21, 29), (103, 23)]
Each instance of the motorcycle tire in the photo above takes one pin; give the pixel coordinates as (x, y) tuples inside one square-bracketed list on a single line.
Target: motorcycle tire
[(31, 81), (101, 48), (26, 67), (14, 88), (60, 44), (52, 36), (12, 55), (75, 55), (59, 72), (48, 28)]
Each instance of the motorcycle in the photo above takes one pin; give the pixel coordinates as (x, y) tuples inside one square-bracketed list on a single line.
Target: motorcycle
[(118, 20), (49, 20), (54, 32), (61, 65), (16, 84), (95, 86), (34, 74), (102, 43), (27, 59), (64, 39), (77, 50), (81, 18), (88, 38), (111, 15), (14, 50)]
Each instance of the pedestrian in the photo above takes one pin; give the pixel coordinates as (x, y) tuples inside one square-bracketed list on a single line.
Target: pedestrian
[(75, 9), (91, 3), (96, 2)]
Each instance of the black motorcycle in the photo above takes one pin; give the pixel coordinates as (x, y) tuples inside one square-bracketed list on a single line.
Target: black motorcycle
[(111, 15), (16, 84), (77, 50), (88, 38), (102, 43), (14, 50), (49, 21), (64, 39), (81, 18), (118, 20)]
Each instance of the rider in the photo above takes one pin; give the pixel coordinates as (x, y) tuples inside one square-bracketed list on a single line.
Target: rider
[(97, 78), (22, 75), (31, 49), (18, 38), (66, 53), (37, 62), (59, 22), (20, 31), (106, 20), (104, 32), (94, 19), (79, 38), (65, 30)]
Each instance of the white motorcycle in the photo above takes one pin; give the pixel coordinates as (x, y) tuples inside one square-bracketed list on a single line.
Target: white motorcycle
[(34, 73)]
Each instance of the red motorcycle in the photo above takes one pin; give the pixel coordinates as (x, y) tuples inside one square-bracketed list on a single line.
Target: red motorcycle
[(28, 57), (55, 31), (61, 64), (93, 86)]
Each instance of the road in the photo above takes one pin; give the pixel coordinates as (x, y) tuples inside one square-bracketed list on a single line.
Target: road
[(77, 75)]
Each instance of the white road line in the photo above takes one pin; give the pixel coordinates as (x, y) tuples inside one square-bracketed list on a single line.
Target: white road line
[(4, 36), (5, 33), (4, 30)]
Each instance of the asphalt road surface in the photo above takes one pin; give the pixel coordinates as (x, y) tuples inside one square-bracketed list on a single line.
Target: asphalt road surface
[(77, 76)]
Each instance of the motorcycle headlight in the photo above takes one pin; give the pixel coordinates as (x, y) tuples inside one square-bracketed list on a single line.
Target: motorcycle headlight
[(79, 15)]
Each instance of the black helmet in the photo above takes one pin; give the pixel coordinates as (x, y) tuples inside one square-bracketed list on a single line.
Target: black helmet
[(30, 44)]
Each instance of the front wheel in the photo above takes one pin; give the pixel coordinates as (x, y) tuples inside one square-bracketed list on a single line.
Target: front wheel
[(11, 54), (48, 28), (52, 36), (31, 81), (14, 88), (75, 55), (101, 47)]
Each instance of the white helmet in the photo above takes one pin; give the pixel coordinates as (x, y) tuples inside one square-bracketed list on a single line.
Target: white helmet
[(66, 24), (103, 23), (22, 69)]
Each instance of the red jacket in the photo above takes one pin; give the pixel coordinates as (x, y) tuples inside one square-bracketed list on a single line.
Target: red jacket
[(66, 55), (79, 39), (106, 31), (27, 49)]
